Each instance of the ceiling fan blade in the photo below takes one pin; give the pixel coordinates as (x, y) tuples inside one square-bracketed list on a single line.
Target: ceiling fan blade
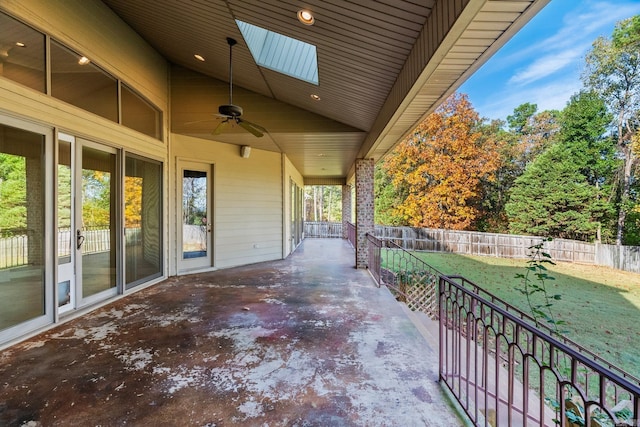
[(221, 126), (197, 121), (255, 125), (250, 127)]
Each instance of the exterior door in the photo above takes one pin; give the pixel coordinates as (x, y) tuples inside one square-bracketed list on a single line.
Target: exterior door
[(87, 222), (195, 237)]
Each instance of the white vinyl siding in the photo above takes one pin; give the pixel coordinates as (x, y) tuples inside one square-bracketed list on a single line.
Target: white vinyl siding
[(247, 200)]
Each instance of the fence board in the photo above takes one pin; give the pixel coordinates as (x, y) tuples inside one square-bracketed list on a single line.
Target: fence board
[(493, 244)]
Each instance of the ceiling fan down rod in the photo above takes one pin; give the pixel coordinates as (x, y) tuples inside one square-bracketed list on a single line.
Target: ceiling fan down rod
[(231, 43)]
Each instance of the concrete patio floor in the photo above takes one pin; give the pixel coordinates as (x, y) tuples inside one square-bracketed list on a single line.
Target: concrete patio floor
[(307, 341)]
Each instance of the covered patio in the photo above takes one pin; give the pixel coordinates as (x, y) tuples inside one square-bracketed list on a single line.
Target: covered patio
[(306, 341)]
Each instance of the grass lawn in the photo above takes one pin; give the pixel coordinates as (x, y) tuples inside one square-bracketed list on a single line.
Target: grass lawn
[(600, 305)]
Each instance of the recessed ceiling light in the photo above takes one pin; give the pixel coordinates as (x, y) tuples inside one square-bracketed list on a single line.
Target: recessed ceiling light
[(315, 97), (306, 17), (83, 60), (20, 44), (199, 57)]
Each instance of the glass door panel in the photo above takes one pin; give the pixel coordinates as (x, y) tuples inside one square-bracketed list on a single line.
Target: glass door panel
[(195, 245), (22, 226), (142, 220), (96, 236)]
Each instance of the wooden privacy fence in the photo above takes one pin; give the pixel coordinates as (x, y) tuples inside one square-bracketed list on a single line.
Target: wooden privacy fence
[(621, 257), (323, 229), (491, 244)]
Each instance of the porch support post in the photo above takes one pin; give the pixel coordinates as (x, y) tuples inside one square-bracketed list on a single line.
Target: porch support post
[(346, 209), (364, 209)]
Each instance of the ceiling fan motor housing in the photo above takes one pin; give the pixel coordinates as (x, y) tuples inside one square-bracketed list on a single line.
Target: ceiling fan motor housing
[(230, 110)]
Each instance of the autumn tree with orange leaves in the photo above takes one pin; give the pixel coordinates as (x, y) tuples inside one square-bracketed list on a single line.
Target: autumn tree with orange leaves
[(441, 167)]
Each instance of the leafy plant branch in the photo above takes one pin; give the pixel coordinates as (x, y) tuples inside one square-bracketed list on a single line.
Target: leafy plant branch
[(534, 282)]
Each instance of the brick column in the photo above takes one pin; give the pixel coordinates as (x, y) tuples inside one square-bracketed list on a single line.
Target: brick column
[(346, 210), (364, 209)]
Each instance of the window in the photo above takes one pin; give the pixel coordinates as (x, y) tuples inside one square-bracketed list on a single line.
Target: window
[(22, 56), (138, 114), (281, 53), (74, 79)]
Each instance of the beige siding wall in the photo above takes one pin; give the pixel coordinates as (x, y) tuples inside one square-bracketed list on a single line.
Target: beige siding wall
[(247, 201), (290, 173)]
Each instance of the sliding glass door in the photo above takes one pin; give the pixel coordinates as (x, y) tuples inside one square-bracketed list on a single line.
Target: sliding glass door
[(24, 197), (87, 222), (142, 220)]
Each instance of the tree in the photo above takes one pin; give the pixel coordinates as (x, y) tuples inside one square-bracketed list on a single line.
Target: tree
[(552, 198), (522, 115), (496, 188), (13, 192), (584, 125), (132, 201), (613, 71), (529, 134), (323, 203), (387, 198), (583, 133), (442, 165)]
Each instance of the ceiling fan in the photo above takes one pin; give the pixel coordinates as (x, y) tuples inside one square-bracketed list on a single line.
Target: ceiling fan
[(230, 112)]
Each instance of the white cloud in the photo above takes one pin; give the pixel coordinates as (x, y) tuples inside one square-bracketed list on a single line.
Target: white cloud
[(572, 41), (547, 65), (553, 95)]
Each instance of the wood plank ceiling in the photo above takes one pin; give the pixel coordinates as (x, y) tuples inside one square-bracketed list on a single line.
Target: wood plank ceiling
[(383, 66)]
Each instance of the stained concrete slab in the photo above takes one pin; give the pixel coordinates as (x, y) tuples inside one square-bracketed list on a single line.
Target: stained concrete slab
[(307, 341)]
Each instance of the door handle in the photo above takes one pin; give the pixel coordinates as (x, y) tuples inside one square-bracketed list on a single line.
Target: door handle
[(79, 239)]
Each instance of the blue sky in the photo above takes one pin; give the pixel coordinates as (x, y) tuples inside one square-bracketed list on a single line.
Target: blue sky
[(543, 62)]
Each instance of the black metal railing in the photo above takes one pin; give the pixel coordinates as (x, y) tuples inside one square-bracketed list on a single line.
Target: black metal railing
[(351, 234), (410, 279), (505, 371), (502, 366)]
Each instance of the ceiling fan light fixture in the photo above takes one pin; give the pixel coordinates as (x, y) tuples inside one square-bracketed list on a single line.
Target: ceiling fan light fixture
[(306, 17), (199, 57)]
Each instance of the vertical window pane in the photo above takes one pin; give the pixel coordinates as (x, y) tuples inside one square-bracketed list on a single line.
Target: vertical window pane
[(79, 82), (22, 290), (64, 202), (138, 114), (143, 220), (22, 56)]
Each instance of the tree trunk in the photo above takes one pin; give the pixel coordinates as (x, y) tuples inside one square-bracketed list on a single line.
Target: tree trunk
[(629, 160), (315, 204), (329, 209)]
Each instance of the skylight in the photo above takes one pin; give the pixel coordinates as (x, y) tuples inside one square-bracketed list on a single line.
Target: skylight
[(281, 53)]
